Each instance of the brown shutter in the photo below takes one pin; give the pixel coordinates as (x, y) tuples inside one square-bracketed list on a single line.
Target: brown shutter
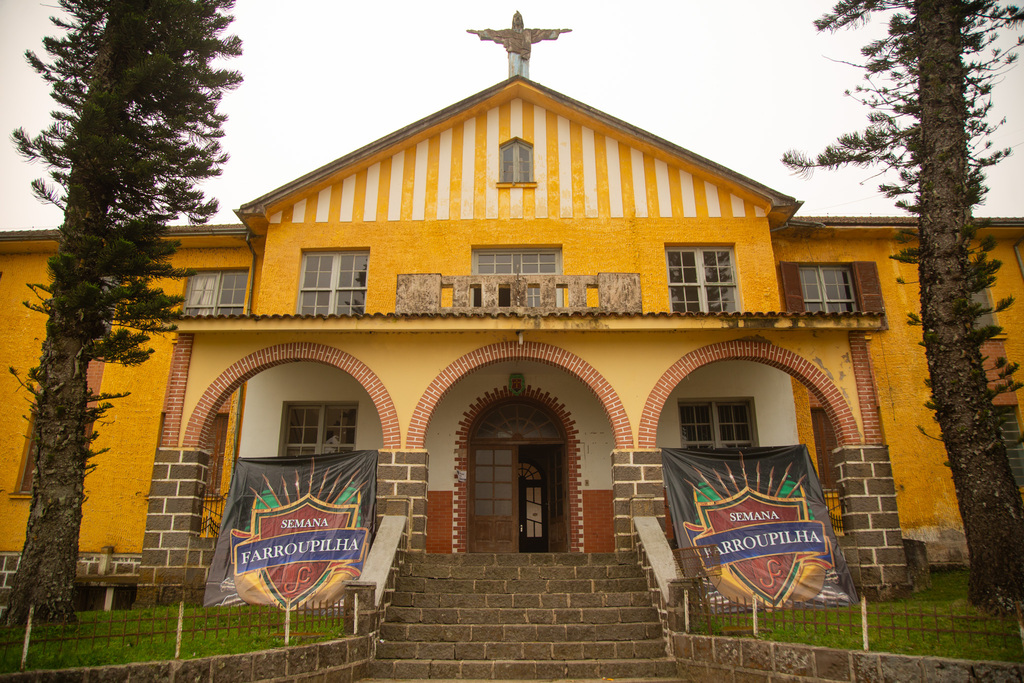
[(869, 288), (792, 291)]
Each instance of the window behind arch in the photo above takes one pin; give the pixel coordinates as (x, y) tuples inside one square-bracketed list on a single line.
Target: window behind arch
[(516, 162)]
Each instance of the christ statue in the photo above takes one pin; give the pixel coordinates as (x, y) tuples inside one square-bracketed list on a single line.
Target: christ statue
[(518, 41)]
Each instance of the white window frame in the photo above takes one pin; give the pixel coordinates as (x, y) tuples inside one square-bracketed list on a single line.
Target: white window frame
[(829, 298), (1014, 447), (984, 298), (205, 293), (515, 162), (338, 290), (701, 284), (326, 441), (517, 261), (717, 439)]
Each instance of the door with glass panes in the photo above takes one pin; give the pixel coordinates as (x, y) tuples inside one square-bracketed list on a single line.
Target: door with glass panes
[(517, 483)]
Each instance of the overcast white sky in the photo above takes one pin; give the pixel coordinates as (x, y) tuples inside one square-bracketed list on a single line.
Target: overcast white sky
[(738, 82)]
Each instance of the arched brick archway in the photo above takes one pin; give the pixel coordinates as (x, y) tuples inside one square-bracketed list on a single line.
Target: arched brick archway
[(199, 432), (510, 351), (816, 381), (488, 401)]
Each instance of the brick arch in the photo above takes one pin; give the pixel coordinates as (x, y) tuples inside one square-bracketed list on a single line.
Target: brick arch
[(199, 432), (816, 381), (573, 468), (510, 351)]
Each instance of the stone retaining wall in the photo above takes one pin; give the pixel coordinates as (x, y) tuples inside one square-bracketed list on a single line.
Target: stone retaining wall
[(712, 658), (338, 661)]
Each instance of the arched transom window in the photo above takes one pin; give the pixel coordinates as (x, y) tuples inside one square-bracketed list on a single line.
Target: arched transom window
[(519, 422)]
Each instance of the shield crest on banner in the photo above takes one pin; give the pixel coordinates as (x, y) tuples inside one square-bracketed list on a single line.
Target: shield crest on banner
[(516, 384), (300, 551), (770, 544)]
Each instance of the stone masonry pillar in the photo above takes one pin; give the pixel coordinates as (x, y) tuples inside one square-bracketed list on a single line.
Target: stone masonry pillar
[(871, 518), (638, 487), (402, 490), (174, 558)]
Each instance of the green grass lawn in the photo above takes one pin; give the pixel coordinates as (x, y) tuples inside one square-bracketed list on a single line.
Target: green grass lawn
[(937, 622), (104, 638)]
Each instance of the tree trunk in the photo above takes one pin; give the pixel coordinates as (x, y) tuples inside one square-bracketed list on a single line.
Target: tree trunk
[(989, 501), (46, 574)]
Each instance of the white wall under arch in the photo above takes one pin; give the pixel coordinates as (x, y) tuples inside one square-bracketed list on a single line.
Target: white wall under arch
[(594, 431), (267, 392), (771, 391)]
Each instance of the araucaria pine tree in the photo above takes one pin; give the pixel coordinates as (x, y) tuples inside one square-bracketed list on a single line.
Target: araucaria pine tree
[(929, 86), (135, 130)]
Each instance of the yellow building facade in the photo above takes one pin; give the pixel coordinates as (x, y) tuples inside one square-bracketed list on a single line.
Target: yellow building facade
[(517, 300)]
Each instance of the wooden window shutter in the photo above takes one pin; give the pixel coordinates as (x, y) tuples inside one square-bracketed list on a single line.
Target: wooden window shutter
[(869, 288), (792, 291)]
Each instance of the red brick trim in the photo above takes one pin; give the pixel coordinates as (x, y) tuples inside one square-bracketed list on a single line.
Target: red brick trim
[(574, 468), (598, 515), (991, 352), (816, 381), (867, 392), (506, 351), (439, 522), (199, 432), (174, 394)]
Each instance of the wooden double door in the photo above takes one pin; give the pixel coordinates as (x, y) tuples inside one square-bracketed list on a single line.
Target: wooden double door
[(517, 499)]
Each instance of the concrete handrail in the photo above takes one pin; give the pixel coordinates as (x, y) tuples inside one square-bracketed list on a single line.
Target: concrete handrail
[(378, 564), (659, 554)]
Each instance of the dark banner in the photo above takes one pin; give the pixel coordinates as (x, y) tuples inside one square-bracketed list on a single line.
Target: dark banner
[(294, 529), (764, 510)]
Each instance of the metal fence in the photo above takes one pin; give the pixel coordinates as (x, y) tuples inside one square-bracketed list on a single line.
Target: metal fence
[(954, 630), (213, 512), (165, 633)]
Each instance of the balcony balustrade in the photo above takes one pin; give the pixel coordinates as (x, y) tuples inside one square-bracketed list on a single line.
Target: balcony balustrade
[(519, 294)]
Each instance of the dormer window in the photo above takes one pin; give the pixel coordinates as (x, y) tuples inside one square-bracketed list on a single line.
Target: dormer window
[(516, 162)]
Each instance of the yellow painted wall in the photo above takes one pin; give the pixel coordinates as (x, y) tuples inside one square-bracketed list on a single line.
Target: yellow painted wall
[(925, 490), (116, 490)]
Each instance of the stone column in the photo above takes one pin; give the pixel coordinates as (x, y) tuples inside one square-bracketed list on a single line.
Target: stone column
[(174, 558), (638, 489), (871, 519), (402, 490)]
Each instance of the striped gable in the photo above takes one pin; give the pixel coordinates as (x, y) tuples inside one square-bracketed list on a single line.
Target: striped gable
[(585, 165)]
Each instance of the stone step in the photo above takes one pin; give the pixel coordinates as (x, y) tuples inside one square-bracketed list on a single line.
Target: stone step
[(518, 633), (607, 669), (487, 615), (522, 559), (413, 584), (520, 573), (569, 651), (521, 600)]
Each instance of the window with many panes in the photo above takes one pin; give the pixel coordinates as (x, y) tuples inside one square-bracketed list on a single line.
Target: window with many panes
[(717, 424), (319, 428), (516, 159), (702, 280), (216, 292), (1014, 448), (517, 262), (828, 289), (334, 283)]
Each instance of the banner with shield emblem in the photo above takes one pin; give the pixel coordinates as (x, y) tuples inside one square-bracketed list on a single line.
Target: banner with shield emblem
[(763, 508), (294, 529)]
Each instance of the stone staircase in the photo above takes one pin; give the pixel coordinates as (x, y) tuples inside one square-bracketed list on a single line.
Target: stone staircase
[(523, 617)]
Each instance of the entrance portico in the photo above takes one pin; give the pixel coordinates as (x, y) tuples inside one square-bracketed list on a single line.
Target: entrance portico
[(567, 463)]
